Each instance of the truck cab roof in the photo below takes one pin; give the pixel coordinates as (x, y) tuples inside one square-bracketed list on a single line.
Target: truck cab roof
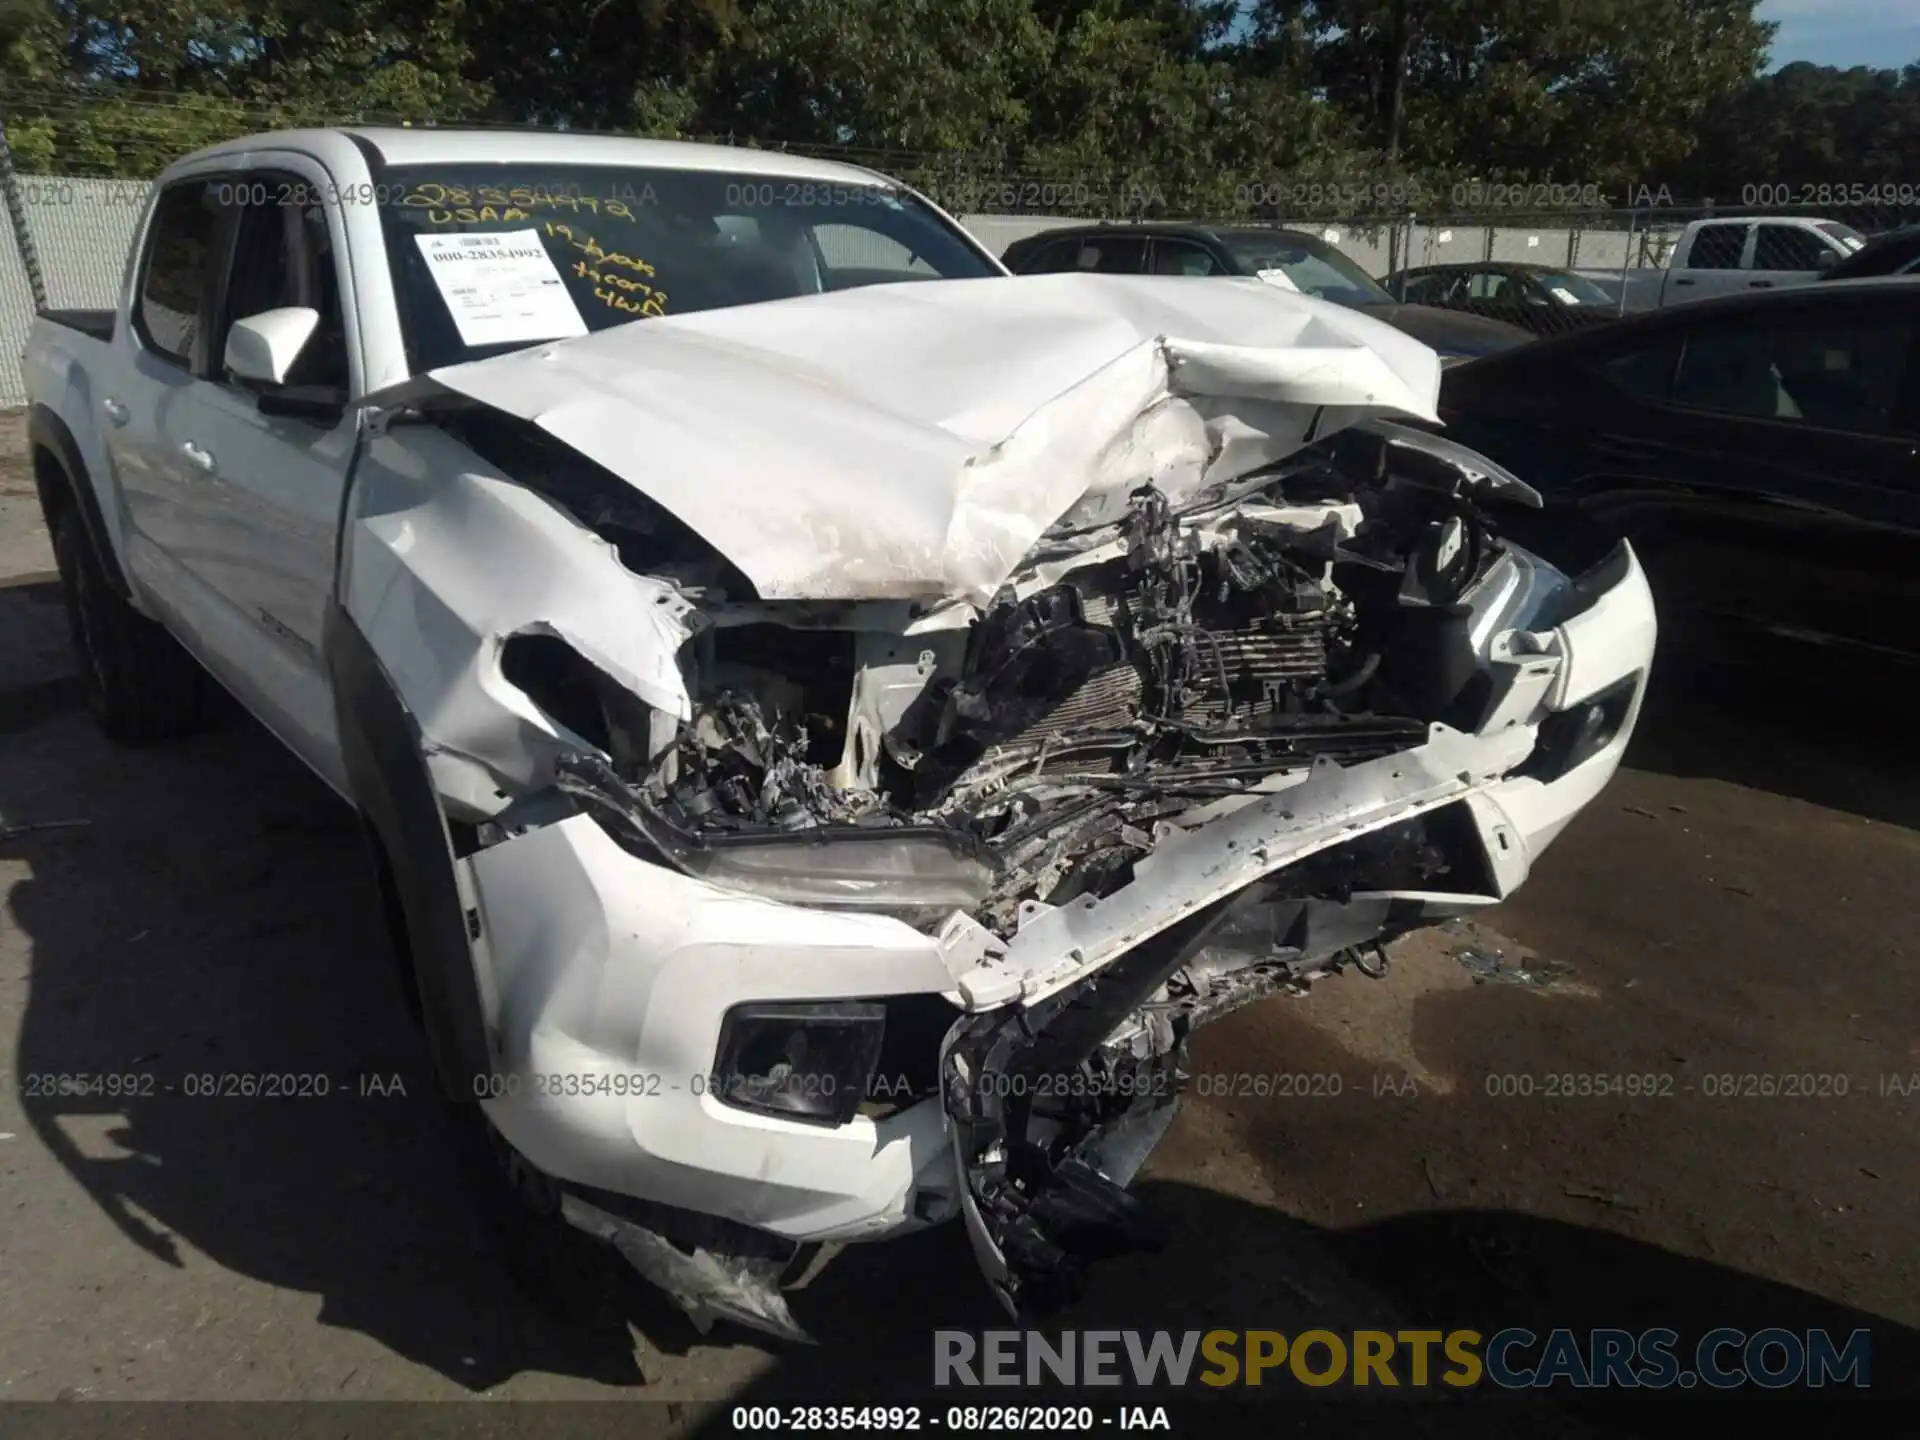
[(431, 145)]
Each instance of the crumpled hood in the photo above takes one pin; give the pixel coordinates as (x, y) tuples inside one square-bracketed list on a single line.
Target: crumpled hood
[(915, 440)]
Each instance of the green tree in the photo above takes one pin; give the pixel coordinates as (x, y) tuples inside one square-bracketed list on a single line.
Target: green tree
[(1606, 91)]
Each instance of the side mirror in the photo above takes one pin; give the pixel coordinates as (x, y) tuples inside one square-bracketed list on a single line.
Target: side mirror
[(1825, 260), (262, 349)]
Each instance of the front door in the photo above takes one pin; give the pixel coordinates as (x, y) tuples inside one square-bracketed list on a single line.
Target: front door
[(263, 499)]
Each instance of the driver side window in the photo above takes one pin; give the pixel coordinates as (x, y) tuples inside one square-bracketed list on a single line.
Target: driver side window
[(282, 256)]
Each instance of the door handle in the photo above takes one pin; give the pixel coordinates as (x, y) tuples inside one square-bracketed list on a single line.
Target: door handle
[(116, 412), (1759, 284), (196, 457), (1682, 280)]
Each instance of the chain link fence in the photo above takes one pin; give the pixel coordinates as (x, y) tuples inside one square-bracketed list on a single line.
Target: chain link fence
[(75, 171)]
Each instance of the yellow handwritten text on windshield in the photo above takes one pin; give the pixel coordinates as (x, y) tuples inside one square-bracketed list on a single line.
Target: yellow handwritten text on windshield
[(608, 271), (489, 204)]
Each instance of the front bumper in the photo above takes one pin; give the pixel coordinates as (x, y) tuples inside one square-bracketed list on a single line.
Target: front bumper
[(606, 979)]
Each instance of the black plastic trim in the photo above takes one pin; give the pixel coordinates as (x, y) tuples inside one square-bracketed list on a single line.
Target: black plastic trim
[(380, 742), (47, 431), (97, 323)]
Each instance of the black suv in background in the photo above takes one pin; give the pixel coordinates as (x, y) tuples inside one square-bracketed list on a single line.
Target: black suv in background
[(1282, 257)]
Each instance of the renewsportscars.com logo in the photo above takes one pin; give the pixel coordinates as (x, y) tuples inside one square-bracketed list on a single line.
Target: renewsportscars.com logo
[(1512, 1359)]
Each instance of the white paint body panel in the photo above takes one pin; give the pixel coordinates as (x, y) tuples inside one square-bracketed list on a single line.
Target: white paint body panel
[(913, 440)]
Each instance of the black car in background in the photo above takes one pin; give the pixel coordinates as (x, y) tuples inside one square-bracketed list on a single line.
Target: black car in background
[(1897, 252), (1538, 298), (1761, 451), (1282, 257)]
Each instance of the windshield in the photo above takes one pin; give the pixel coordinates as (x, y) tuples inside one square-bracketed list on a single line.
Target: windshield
[(1309, 266), (1845, 234), (490, 258), (1574, 289)]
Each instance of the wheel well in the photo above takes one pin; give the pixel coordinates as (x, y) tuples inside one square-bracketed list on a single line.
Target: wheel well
[(60, 476), (54, 484), (394, 916)]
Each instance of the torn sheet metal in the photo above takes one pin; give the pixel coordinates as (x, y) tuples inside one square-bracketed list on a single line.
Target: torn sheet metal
[(915, 440), (445, 564)]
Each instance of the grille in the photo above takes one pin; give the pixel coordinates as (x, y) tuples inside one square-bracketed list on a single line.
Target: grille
[(1107, 700)]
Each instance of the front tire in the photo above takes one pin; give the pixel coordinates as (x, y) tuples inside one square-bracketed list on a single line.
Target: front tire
[(141, 686)]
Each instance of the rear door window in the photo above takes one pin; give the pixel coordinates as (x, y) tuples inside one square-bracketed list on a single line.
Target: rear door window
[(1644, 370), (1717, 247), (1837, 373), (1051, 258), (1494, 286), (177, 272), (1112, 255), (1183, 257)]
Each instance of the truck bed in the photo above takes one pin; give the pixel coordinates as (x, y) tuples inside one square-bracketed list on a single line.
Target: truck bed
[(97, 323)]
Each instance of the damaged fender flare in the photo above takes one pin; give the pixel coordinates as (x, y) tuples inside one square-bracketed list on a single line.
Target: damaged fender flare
[(380, 744)]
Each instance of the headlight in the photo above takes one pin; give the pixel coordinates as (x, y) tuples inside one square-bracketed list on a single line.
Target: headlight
[(799, 1060), (866, 870), (900, 870)]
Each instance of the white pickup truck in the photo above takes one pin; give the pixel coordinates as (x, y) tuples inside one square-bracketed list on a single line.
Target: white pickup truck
[(824, 743), (1725, 257)]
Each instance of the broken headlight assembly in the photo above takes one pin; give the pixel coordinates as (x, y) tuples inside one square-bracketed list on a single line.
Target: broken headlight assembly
[(859, 870), (895, 870), (799, 1060)]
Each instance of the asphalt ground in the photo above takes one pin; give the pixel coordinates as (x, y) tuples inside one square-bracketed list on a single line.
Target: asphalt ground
[(1734, 917)]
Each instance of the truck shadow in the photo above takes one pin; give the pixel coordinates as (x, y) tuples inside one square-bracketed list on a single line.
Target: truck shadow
[(215, 918), (1240, 1266)]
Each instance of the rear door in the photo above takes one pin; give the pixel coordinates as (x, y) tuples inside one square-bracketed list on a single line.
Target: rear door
[(1712, 264)]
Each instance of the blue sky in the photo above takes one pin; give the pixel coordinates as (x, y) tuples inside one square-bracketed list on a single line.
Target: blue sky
[(1882, 33)]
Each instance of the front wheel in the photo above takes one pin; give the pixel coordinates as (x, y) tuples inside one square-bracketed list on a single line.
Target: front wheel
[(141, 686)]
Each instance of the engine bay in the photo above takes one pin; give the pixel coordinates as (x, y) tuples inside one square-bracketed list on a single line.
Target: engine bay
[(1134, 675)]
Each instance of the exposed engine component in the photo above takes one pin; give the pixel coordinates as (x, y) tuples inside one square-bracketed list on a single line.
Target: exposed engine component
[(1176, 661)]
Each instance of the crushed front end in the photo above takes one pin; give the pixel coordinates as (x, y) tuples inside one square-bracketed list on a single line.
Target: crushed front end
[(813, 902), (1180, 762)]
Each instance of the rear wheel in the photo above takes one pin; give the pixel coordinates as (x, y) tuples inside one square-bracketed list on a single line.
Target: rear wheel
[(141, 685)]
